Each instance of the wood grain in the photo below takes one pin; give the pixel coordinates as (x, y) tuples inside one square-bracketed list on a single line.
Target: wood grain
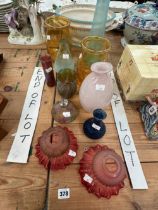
[(22, 186), (3, 103), (127, 199), (3, 133)]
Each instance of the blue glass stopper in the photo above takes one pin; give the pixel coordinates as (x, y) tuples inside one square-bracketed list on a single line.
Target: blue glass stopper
[(94, 127)]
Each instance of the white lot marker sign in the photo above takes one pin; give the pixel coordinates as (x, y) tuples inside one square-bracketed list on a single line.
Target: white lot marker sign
[(21, 145), (129, 151)]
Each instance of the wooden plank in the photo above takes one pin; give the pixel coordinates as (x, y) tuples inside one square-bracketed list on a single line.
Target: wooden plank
[(22, 186), (81, 199), (3, 133), (21, 183), (3, 102), (147, 151), (45, 109), (11, 125), (131, 112), (114, 38), (128, 105), (7, 141), (16, 71), (131, 115), (1, 57), (19, 55)]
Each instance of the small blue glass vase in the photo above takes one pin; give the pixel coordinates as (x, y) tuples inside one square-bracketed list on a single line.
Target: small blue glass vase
[(94, 127)]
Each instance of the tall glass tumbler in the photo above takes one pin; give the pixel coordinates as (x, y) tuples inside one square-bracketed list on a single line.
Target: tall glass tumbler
[(57, 28), (94, 49)]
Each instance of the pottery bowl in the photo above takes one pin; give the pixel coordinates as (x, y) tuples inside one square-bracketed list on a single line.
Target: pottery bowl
[(141, 25), (81, 16), (135, 35)]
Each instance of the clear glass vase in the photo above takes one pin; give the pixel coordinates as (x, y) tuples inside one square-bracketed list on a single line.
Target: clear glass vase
[(94, 49), (64, 111)]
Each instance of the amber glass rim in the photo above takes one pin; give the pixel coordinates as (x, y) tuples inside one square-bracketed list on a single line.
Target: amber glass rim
[(89, 38), (48, 25)]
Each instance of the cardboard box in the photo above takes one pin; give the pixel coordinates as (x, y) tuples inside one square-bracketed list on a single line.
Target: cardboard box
[(137, 71)]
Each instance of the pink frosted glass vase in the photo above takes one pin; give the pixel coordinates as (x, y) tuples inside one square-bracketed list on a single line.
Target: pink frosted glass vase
[(97, 88)]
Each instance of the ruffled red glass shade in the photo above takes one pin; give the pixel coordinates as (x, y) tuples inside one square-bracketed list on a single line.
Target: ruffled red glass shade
[(102, 171), (56, 148)]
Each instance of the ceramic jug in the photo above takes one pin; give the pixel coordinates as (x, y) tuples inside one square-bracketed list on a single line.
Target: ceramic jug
[(97, 88)]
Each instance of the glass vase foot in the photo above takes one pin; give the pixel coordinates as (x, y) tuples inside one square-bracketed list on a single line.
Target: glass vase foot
[(64, 111)]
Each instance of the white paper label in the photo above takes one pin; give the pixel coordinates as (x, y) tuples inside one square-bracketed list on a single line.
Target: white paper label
[(64, 193), (22, 141), (66, 114), (49, 69), (96, 126), (152, 110), (100, 87), (72, 153), (80, 55), (48, 37), (87, 178), (127, 143), (65, 56)]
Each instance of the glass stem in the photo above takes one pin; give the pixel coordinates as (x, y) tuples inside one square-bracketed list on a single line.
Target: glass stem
[(64, 102)]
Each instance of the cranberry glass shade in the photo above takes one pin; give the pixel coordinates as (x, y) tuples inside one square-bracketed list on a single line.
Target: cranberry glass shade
[(56, 147), (102, 171)]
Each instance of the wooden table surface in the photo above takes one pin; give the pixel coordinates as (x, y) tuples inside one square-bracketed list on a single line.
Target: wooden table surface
[(31, 187)]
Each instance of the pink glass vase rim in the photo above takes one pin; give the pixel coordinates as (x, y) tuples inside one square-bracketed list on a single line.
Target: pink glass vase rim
[(102, 67)]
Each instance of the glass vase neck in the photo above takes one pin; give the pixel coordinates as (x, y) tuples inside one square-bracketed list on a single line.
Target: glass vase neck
[(64, 47), (64, 58), (101, 68), (99, 114), (95, 45), (56, 22), (100, 18)]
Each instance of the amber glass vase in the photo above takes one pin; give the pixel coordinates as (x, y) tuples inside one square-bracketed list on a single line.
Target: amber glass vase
[(94, 49), (56, 28)]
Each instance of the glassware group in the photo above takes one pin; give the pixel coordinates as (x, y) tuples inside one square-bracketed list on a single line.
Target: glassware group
[(68, 77)]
